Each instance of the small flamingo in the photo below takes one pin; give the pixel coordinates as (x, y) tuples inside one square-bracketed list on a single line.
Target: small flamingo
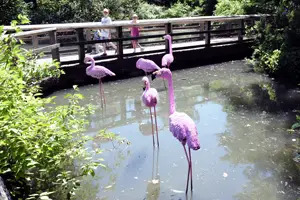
[(150, 98), (168, 58), (181, 125), (97, 72), (148, 66)]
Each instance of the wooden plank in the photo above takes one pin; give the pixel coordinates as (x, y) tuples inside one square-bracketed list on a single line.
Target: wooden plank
[(34, 32), (49, 47), (126, 23)]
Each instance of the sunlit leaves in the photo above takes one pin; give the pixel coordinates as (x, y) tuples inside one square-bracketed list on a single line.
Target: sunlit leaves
[(42, 152)]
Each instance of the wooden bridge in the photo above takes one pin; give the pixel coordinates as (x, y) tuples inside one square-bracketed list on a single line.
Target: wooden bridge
[(208, 38)]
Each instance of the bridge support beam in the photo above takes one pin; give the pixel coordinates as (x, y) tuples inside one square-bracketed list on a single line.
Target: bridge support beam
[(241, 31), (53, 40), (168, 30), (80, 38), (207, 34)]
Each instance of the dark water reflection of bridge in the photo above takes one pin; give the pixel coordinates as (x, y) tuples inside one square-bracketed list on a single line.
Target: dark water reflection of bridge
[(242, 118)]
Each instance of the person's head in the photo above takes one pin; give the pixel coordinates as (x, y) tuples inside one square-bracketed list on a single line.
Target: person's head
[(105, 12), (134, 17)]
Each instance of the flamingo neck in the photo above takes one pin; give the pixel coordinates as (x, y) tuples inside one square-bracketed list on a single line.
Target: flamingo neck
[(147, 86), (171, 96), (170, 46), (92, 64)]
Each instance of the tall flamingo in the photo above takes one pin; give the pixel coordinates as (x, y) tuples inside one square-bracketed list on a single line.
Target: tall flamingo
[(97, 72), (181, 125), (150, 98), (168, 58)]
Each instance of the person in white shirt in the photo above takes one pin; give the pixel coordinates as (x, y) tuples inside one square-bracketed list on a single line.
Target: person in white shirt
[(104, 34)]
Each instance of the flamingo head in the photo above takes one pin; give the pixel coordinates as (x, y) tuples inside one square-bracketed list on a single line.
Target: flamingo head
[(88, 59), (167, 37), (139, 62), (163, 73), (146, 82)]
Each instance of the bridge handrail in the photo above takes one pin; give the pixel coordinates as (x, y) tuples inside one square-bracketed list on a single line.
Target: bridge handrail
[(126, 23)]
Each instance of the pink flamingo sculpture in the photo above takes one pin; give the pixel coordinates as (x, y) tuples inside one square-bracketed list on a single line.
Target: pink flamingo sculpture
[(150, 98), (97, 72), (148, 66), (168, 58), (181, 125)]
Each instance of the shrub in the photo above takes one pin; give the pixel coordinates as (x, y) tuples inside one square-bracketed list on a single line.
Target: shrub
[(42, 152)]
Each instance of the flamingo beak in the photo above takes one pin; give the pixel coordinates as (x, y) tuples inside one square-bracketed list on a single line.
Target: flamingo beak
[(144, 88)]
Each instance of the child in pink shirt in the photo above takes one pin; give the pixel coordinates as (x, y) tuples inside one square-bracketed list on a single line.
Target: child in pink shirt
[(135, 32)]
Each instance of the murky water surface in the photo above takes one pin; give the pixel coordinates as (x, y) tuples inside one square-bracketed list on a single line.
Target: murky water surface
[(241, 117)]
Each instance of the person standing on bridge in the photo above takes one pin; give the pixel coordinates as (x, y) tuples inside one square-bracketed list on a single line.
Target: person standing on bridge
[(135, 32), (104, 34)]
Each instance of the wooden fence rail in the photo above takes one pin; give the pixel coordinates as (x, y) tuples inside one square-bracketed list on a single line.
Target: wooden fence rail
[(183, 30)]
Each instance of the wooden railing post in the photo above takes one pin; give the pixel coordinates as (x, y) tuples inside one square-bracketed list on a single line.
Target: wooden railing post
[(241, 31), (80, 38), (168, 30), (54, 52), (207, 35), (120, 43), (88, 36), (35, 42), (229, 27), (201, 29)]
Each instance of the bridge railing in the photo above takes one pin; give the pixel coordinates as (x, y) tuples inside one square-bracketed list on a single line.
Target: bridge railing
[(75, 39)]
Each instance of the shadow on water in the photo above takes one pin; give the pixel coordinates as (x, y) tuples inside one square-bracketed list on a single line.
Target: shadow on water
[(242, 118)]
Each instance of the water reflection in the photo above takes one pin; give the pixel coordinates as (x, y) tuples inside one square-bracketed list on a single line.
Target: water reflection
[(241, 117), (153, 186)]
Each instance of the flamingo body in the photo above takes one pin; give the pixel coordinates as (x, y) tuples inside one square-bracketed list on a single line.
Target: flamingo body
[(167, 60), (184, 129), (96, 71), (150, 99), (147, 65)]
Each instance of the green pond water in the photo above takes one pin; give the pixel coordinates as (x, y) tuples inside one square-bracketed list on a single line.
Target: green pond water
[(242, 119)]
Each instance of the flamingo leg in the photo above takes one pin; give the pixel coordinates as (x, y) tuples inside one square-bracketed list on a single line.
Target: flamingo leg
[(191, 171), (156, 127), (103, 93), (152, 126), (100, 90), (188, 177), (153, 164)]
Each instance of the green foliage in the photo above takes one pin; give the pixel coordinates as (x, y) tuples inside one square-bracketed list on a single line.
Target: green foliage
[(207, 7), (51, 11), (39, 142), (177, 10), (148, 11), (11, 9), (277, 49), (230, 7), (297, 124)]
